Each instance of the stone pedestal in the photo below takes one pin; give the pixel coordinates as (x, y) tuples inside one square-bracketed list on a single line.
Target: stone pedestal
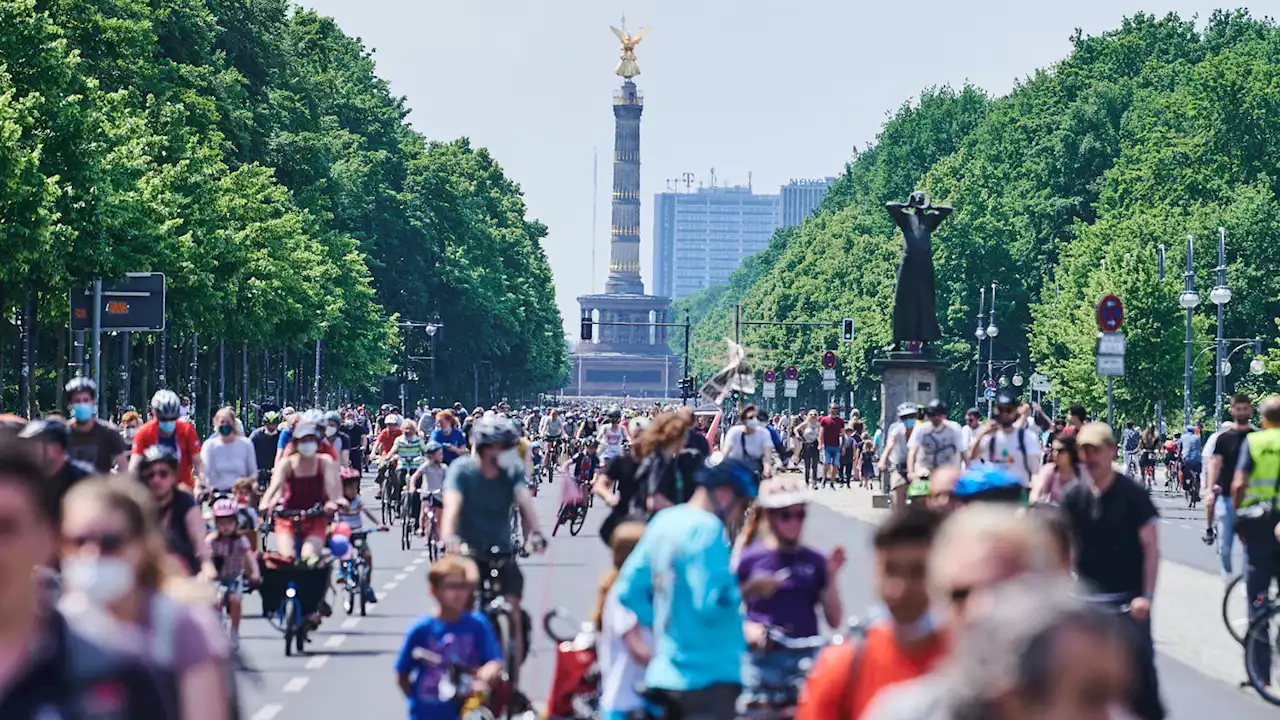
[(907, 377)]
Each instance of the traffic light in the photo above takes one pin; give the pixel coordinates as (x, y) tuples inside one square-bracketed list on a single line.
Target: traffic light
[(586, 327), (846, 333), (686, 387), (737, 397)]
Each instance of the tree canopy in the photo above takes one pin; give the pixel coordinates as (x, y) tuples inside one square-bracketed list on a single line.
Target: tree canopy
[(1064, 189), (248, 150)]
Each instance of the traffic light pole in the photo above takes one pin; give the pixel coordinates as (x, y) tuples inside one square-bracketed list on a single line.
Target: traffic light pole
[(685, 392)]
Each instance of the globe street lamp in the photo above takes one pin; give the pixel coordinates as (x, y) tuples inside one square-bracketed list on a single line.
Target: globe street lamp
[(1257, 366), (981, 334), (1188, 300), (1220, 295), (1017, 379)]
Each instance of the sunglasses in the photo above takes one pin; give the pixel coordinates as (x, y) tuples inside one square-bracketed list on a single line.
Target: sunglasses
[(108, 543), (157, 474), (789, 515), (960, 594)]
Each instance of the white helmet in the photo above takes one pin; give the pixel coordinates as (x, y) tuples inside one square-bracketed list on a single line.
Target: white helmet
[(780, 492)]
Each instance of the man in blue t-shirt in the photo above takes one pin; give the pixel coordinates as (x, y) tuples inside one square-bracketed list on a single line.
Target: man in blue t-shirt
[(1189, 449), (454, 638), (679, 583)]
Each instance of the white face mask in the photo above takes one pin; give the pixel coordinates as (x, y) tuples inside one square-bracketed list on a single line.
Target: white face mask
[(331, 431), (510, 458), (308, 449), (102, 580)]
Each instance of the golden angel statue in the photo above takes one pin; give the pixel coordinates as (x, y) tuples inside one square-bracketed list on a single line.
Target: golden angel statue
[(627, 66)]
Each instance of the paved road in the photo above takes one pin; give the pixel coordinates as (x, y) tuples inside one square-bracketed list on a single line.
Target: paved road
[(349, 668)]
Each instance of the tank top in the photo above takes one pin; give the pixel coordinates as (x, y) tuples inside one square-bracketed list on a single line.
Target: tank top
[(302, 492), (612, 443), (175, 531)]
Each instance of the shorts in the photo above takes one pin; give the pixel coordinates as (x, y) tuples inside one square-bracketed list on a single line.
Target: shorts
[(510, 577), (831, 455), (898, 478), (234, 587), (311, 528)]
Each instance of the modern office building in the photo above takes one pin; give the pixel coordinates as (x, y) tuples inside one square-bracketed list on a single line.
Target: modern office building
[(701, 237), (800, 198)]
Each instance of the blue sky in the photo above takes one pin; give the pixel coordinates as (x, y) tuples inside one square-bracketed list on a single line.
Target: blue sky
[(780, 89)]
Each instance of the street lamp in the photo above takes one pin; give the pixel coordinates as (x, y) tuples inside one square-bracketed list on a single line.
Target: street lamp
[(431, 336), (1017, 379), (981, 334), (1257, 366), (1188, 300), (1220, 295)]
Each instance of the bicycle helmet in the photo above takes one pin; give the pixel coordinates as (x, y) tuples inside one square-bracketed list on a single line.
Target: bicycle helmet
[(781, 492), (47, 430), (225, 507), (1005, 399), (936, 407), (81, 383), (271, 418), (614, 413), (590, 441), (166, 405), (303, 430), (990, 483), (432, 446), (730, 472), (494, 431), (391, 420), (907, 409), (332, 417), (159, 453)]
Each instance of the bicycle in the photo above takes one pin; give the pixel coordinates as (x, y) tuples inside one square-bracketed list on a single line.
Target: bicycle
[(1172, 472), (392, 492), (1258, 649), (1191, 486), (357, 568), (1148, 469), (781, 668), (433, 525), (410, 512), (490, 602), (292, 593)]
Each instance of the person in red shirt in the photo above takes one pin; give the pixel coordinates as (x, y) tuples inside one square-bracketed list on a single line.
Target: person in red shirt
[(831, 425), (384, 446), (904, 646), (164, 428)]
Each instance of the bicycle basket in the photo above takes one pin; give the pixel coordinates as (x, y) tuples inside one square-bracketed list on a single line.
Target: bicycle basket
[(311, 584)]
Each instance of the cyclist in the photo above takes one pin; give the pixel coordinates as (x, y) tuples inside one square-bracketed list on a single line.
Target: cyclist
[(1148, 448), (408, 449), (479, 493), (63, 471), (95, 442), (448, 436), (232, 557), (179, 514), (678, 581), (385, 447), (1254, 494), (552, 432), (1223, 459), (302, 480), (586, 462), (1189, 449), (428, 483), (353, 515), (612, 433), (1130, 440), (332, 424), (587, 428), (164, 430), (265, 440)]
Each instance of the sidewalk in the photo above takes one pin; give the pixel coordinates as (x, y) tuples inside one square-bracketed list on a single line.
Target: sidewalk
[(1186, 615)]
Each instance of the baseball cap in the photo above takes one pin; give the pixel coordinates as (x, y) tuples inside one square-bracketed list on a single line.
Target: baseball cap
[(1097, 434)]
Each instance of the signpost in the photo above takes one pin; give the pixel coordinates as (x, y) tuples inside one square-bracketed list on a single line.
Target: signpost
[(769, 390), (792, 373), (789, 388), (829, 360), (1040, 383), (769, 376), (135, 304), (1109, 352)]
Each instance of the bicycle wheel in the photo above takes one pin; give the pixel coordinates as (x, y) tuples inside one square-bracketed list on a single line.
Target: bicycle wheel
[(349, 586), (406, 531), (559, 521), (433, 540), (1260, 659), (578, 520), (1235, 608), (290, 623), (364, 589)]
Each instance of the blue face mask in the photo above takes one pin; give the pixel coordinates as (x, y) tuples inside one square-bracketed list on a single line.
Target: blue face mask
[(168, 426), (84, 412), (909, 422), (225, 430)]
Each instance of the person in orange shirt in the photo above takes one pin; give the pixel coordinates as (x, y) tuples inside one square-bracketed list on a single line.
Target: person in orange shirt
[(164, 428), (903, 646)]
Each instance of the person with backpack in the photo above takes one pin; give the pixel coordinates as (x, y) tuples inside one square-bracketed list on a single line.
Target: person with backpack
[(750, 443), (1003, 441)]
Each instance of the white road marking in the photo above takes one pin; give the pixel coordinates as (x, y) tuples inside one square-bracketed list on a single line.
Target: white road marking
[(316, 662), (267, 712), (296, 684), (350, 623), (1187, 526), (335, 640), (390, 586), (400, 577)]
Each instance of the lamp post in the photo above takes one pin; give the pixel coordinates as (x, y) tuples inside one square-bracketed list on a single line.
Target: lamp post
[(431, 334), (1188, 299), (1220, 295), (992, 332), (981, 334)]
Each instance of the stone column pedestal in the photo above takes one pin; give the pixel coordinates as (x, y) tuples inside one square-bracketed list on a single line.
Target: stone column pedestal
[(907, 377)]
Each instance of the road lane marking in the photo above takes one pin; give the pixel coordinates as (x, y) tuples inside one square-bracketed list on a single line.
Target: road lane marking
[(316, 662), (296, 684), (401, 577), (267, 712), (390, 586), (350, 623), (411, 568), (335, 640)]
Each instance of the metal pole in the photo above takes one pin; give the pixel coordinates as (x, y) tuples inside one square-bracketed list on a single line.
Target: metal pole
[(475, 380), (77, 351), (97, 336), (222, 373), (24, 329), (979, 333), (284, 377), (687, 328), (162, 376), (737, 323), (1188, 287), (125, 371), (1219, 380), (317, 382), (1111, 383), (433, 371), (244, 384), (991, 350), (195, 373)]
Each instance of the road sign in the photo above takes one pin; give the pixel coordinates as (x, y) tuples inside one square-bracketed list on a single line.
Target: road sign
[(792, 373), (1110, 313), (790, 387), (769, 376), (989, 393), (828, 375), (1040, 383), (828, 385), (135, 304), (1110, 365), (828, 360), (769, 390), (1110, 343)]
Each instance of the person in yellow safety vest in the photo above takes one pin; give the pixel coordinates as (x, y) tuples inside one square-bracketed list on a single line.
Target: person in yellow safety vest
[(1254, 494)]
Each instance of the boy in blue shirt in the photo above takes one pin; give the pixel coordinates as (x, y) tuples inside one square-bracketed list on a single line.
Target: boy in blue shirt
[(455, 637)]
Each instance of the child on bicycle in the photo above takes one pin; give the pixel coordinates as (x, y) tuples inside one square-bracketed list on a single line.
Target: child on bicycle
[(428, 483), (455, 639), (232, 557), (354, 516), (243, 492), (586, 463)]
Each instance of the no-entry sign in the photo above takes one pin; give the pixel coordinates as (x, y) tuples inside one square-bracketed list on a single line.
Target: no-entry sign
[(829, 360), (1110, 313)]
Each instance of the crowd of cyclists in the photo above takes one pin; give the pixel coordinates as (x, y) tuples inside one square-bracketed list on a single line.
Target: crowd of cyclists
[(1016, 569)]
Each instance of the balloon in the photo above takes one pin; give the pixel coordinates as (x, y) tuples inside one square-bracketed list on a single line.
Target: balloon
[(339, 546), (341, 530)]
